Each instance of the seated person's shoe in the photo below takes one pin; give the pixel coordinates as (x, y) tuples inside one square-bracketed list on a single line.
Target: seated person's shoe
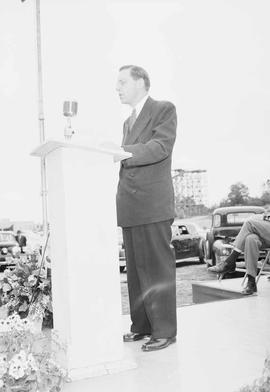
[(250, 288), (157, 344), (223, 268), (133, 336)]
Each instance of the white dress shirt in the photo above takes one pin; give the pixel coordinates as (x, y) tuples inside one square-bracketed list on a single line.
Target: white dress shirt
[(140, 104)]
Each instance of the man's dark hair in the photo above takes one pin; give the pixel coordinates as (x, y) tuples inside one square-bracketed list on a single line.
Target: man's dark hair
[(138, 73)]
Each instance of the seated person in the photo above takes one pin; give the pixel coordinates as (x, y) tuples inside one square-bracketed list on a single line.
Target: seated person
[(21, 239), (254, 234)]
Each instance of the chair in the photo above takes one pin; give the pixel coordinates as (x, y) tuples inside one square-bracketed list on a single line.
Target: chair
[(265, 261)]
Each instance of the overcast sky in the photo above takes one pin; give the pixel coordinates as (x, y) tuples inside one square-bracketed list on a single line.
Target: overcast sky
[(211, 58)]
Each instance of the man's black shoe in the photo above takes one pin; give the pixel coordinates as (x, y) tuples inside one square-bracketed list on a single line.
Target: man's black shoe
[(133, 336), (250, 288), (157, 344)]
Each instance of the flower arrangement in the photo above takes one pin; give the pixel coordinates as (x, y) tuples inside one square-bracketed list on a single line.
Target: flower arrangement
[(261, 384), (26, 290), (29, 361)]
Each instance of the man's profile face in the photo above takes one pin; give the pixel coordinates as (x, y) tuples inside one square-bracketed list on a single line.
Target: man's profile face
[(127, 87)]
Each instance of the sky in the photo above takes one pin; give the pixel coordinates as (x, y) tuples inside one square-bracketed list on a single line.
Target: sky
[(210, 58)]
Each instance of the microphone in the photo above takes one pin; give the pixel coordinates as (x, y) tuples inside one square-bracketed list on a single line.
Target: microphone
[(70, 108)]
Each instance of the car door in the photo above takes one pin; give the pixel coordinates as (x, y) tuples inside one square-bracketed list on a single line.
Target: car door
[(182, 242)]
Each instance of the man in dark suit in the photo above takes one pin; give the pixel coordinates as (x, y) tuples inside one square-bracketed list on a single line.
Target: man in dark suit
[(21, 239), (145, 210)]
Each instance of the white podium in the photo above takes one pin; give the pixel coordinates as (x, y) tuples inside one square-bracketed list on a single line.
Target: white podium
[(84, 249)]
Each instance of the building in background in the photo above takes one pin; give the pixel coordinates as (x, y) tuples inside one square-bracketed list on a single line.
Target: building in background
[(190, 188)]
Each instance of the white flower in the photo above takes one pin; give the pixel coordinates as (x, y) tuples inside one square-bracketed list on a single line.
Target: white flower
[(32, 362), (3, 364), (42, 285), (15, 285), (16, 370), (18, 365), (32, 280), (4, 327)]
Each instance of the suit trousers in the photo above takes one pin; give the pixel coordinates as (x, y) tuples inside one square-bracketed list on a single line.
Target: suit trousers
[(254, 234), (151, 275)]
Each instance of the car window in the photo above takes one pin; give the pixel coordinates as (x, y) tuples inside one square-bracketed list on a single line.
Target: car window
[(238, 217), (183, 229), (217, 220)]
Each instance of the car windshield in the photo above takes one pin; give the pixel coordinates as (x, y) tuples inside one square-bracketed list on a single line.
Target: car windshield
[(6, 237), (237, 218)]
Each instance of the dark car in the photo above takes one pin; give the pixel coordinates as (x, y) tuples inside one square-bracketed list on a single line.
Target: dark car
[(8, 248), (121, 250), (226, 224), (188, 240)]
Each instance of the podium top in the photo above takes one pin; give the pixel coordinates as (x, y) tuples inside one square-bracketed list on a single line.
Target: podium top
[(50, 145)]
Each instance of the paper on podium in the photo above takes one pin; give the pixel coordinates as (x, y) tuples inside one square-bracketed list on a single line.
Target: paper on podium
[(110, 148), (119, 152)]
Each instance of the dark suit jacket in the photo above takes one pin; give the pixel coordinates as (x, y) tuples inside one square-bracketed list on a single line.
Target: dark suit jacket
[(145, 191)]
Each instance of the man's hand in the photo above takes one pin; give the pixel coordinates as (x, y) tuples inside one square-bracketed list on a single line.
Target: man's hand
[(118, 156)]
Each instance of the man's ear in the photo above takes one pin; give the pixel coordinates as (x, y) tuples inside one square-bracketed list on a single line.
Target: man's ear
[(140, 83)]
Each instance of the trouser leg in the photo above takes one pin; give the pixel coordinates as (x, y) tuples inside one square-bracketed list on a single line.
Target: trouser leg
[(251, 253), (253, 226), (156, 270), (139, 319)]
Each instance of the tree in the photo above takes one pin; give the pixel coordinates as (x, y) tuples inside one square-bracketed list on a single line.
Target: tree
[(266, 197), (238, 195)]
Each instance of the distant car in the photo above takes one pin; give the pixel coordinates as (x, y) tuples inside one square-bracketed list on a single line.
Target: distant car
[(226, 224), (188, 240), (8, 249)]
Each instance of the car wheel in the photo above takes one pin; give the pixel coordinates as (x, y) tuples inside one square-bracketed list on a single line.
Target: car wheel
[(210, 256), (208, 260), (122, 268), (213, 257)]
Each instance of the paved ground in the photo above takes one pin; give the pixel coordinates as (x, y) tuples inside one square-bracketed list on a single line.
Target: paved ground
[(186, 272)]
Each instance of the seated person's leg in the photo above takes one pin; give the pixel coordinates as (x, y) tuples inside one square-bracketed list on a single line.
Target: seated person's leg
[(252, 252)]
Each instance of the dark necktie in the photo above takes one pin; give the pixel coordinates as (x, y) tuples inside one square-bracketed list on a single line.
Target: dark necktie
[(132, 120)]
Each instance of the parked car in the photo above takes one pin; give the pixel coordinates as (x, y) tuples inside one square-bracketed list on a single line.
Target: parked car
[(226, 224), (188, 240), (8, 249)]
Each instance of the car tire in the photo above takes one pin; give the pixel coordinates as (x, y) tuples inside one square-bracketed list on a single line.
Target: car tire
[(210, 256), (213, 258), (122, 268), (202, 252)]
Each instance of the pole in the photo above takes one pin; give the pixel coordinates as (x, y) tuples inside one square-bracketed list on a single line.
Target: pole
[(41, 121)]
